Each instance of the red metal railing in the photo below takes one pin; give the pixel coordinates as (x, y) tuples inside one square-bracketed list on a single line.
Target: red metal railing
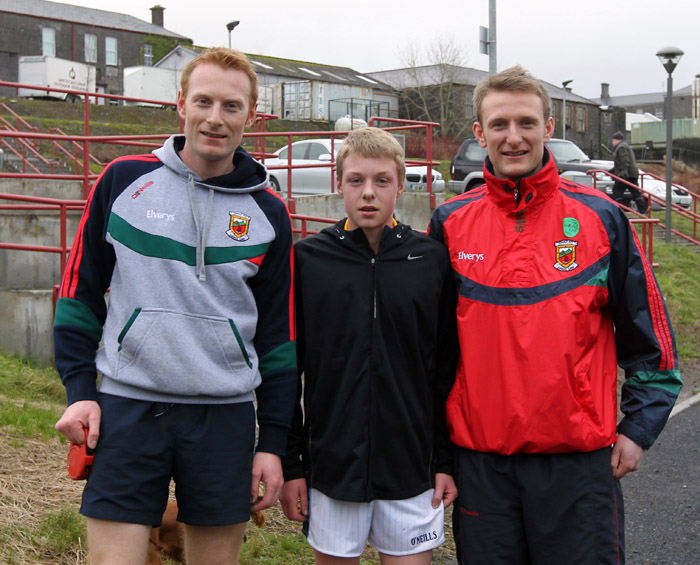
[(676, 209)]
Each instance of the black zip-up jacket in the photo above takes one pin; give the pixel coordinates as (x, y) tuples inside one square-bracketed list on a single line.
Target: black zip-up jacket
[(376, 341)]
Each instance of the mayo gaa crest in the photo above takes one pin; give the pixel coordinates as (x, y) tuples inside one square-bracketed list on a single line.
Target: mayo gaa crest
[(566, 255), (238, 226)]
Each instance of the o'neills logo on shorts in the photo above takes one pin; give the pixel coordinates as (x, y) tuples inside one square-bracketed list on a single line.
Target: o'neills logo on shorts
[(565, 255), (427, 536), (238, 226)]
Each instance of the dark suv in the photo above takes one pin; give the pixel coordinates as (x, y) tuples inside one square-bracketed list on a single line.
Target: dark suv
[(466, 169)]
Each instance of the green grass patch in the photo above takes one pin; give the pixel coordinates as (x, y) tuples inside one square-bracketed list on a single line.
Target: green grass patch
[(20, 378), (273, 548), (60, 533)]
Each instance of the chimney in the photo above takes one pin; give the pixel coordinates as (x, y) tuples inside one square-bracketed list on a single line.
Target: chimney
[(157, 15), (605, 93)]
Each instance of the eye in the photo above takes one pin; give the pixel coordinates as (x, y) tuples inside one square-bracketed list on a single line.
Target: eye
[(232, 106), (201, 101)]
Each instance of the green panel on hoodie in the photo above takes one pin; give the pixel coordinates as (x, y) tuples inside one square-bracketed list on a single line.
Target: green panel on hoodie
[(152, 245)]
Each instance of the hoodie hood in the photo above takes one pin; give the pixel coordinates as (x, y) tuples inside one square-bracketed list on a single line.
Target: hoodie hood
[(247, 176)]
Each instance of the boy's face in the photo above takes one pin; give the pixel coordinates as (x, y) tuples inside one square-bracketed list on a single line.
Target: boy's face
[(514, 130), (369, 187)]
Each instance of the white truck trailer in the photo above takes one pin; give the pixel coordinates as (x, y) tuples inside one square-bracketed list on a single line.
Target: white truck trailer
[(53, 72)]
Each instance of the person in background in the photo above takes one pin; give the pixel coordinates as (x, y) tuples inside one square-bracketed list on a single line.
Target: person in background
[(626, 168)]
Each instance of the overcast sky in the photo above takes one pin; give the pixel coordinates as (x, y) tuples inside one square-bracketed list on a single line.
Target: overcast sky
[(613, 41)]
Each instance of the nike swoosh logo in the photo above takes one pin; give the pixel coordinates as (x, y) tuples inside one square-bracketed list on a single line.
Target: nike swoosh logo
[(412, 257)]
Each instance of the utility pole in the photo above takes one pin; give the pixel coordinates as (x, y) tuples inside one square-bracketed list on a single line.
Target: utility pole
[(492, 37)]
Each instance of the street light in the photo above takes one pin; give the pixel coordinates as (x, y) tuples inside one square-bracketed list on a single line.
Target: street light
[(229, 27), (564, 83), (669, 57)]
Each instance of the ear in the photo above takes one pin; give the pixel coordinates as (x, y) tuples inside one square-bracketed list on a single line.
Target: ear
[(479, 134), (339, 186), (548, 129), (251, 116), (399, 192), (180, 105)]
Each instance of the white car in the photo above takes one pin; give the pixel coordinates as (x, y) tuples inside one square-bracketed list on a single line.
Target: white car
[(319, 178), (679, 195), (650, 184)]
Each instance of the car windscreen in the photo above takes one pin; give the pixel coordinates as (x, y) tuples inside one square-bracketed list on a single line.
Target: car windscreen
[(566, 152)]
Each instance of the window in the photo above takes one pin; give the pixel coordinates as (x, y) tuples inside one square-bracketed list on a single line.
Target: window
[(111, 51), (317, 149), (580, 118), (90, 48), (470, 104), (148, 55), (48, 41)]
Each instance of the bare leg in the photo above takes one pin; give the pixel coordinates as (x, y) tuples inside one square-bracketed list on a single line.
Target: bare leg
[(423, 558), (324, 559), (215, 545), (116, 543)]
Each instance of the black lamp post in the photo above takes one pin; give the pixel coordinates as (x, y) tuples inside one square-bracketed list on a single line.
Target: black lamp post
[(669, 57), (229, 27)]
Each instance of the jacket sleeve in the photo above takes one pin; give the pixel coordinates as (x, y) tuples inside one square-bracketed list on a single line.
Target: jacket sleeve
[(293, 461), (622, 162), (275, 333), (446, 368), (645, 342), (81, 307)]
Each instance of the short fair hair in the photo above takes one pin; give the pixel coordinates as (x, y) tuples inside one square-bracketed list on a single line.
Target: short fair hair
[(513, 79), (373, 143), (226, 59)]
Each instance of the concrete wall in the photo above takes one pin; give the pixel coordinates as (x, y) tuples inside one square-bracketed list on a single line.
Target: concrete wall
[(27, 277)]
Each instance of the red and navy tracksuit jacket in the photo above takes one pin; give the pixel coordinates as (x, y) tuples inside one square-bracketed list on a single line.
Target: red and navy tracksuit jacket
[(554, 293)]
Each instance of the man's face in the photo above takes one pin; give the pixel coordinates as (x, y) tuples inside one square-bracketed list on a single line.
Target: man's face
[(215, 111), (514, 131), (369, 187), (616, 142)]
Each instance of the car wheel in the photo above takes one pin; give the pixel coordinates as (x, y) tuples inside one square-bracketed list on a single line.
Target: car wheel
[(274, 184)]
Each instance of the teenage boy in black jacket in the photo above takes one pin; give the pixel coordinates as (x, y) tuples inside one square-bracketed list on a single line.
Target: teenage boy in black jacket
[(376, 344)]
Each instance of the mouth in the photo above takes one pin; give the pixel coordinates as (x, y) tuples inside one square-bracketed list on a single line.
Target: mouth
[(213, 135), (368, 210), (514, 153)]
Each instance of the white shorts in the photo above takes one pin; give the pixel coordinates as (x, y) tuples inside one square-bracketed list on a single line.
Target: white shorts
[(393, 527)]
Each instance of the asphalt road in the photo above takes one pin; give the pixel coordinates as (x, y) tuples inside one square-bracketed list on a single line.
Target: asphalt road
[(662, 498)]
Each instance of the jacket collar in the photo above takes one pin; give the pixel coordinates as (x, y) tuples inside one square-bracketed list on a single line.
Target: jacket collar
[(526, 192)]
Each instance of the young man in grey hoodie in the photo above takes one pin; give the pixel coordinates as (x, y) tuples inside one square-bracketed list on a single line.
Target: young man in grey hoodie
[(196, 253)]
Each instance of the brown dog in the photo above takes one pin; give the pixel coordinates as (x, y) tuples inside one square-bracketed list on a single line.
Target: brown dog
[(169, 538)]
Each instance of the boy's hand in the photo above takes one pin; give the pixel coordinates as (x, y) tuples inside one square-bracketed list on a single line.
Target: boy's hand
[(295, 500), (445, 490)]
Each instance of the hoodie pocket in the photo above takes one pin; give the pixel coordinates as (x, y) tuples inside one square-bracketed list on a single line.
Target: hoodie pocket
[(184, 354)]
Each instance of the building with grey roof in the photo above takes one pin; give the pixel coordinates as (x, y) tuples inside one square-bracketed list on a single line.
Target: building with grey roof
[(107, 40)]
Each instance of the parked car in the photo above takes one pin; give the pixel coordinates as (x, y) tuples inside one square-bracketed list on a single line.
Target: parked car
[(466, 168), (319, 178), (679, 195)]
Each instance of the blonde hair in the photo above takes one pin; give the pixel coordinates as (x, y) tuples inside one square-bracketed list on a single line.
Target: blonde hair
[(513, 79), (226, 59), (374, 143)]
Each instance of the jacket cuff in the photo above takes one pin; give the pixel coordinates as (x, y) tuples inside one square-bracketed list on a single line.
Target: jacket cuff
[(80, 387), (272, 439), (635, 433)]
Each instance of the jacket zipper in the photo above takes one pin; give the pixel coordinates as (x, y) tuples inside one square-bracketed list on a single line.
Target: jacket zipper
[(373, 264)]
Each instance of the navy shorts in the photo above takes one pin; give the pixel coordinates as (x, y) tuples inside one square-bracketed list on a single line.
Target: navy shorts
[(206, 449), (537, 509)]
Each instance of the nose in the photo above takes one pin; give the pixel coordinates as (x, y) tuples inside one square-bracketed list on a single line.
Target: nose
[(368, 192), (214, 115), (514, 137)]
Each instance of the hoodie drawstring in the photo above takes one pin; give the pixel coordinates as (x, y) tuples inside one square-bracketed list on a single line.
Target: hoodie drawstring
[(200, 265)]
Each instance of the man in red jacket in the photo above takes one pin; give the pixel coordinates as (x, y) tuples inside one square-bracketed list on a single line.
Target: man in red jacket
[(554, 292)]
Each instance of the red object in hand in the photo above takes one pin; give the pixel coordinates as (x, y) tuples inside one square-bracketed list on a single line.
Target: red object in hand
[(80, 459)]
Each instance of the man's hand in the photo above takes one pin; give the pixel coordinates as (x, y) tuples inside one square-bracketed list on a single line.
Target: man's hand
[(295, 500), (445, 490), (78, 416), (626, 456), (267, 469)]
